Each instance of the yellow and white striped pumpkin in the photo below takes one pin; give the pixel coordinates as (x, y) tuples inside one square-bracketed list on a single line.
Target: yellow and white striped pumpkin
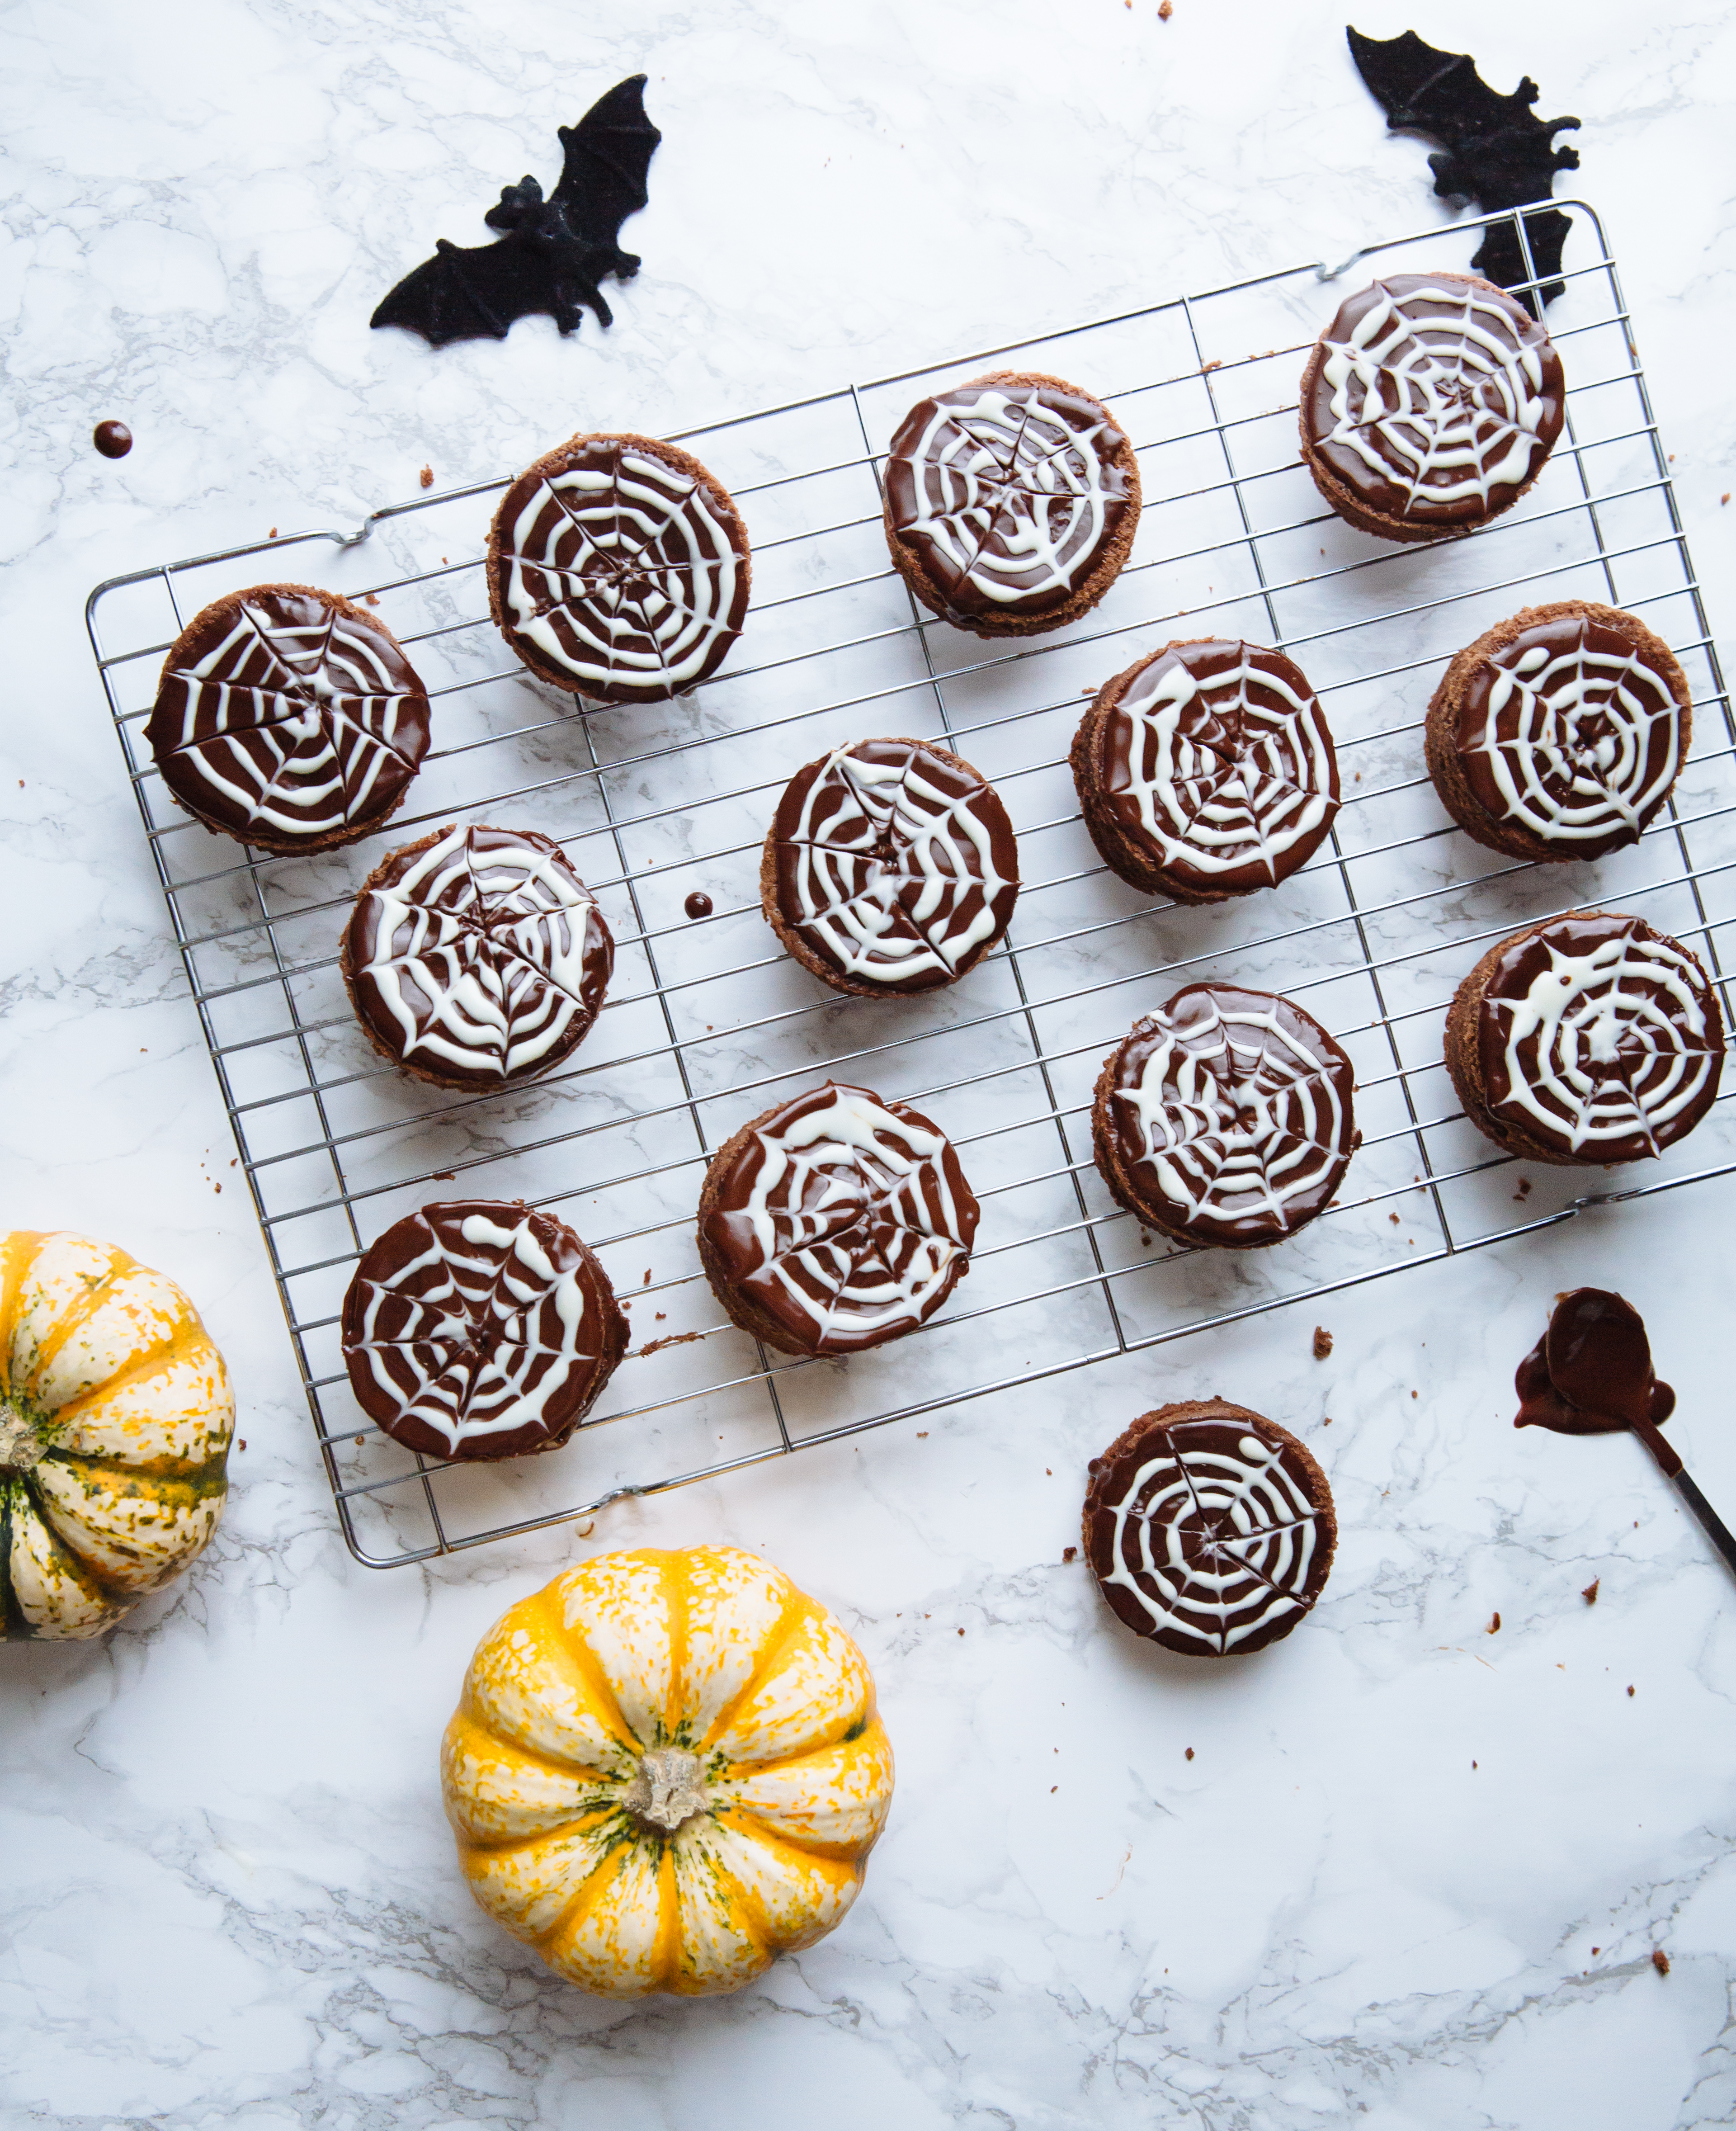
[(666, 1770), (115, 1419)]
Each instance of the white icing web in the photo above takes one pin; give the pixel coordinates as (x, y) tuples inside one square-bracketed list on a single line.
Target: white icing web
[(624, 572), (1227, 770), (892, 864), (478, 954), (1614, 1042), (1013, 498), (1582, 743), (296, 727), (1244, 1126), (477, 1333), (1444, 407), (1213, 1538)]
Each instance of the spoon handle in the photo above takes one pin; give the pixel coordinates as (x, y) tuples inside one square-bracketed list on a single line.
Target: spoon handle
[(1670, 1460)]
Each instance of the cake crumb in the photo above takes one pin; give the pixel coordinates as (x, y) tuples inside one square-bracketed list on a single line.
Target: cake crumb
[(1070, 1553), (922, 1434), (243, 1444), (1494, 1625), (1630, 1691), (1327, 1421), (1190, 1753), (646, 1281), (1524, 1190), (1165, 9), (371, 599), (442, 1175), (1725, 497), (1216, 363), (1393, 1219), (427, 476), (961, 1631), (1322, 1343), (272, 534), (1659, 1960), (1590, 1593)]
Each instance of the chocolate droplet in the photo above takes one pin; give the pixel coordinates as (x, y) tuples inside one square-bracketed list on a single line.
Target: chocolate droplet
[(698, 904), (112, 439)]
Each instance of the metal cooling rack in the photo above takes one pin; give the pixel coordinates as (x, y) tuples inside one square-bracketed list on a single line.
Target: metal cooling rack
[(708, 1023)]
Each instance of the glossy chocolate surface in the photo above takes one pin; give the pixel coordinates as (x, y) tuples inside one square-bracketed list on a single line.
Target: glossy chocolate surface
[(698, 904), (1590, 1373), (112, 439)]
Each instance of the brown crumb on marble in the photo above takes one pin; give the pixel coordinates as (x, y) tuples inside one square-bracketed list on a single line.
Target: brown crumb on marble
[(1524, 1190), (1630, 1692), (1322, 1343), (1216, 363), (272, 534), (1070, 1553), (961, 1631), (1494, 1625), (243, 1444), (427, 476), (922, 1434), (1190, 1753), (1327, 1421), (1590, 1593), (1393, 1219), (371, 599), (1659, 1960), (1165, 9)]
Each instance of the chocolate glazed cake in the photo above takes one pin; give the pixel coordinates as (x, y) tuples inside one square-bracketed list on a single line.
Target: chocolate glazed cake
[(1012, 503), (834, 1222), (890, 867), (1429, 406), (1559, 733), (1588, 1038), (1225, 1117), (288, 718), (617, 569), (476, 958), (480, 1329), (1206, 771), (1209, 1529)]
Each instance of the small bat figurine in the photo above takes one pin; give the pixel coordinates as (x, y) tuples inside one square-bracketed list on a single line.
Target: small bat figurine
[(1498, 151), (552, 253)]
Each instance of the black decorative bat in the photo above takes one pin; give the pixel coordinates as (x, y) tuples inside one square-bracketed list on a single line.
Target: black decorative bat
[(1498, 151), (552, 253)]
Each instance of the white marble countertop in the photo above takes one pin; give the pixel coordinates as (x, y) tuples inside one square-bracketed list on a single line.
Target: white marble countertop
[(1413, 1871)]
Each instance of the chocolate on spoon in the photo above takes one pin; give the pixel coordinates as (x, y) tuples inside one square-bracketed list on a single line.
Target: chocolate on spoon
[(1590, 1374)]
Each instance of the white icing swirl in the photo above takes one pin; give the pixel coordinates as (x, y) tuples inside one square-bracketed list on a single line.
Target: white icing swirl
[(1010, 491), (1614, 1040), (1222, 762), (1442, 407), (482, 956), (1213, 1537), (889, 865), (459, 1321), (621, 570)]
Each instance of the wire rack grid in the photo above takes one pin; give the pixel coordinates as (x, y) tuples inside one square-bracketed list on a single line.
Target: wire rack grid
[(708, 1023)]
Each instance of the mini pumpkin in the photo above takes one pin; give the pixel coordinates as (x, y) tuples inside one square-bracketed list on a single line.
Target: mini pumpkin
[(115, 1419), (666, 1770)]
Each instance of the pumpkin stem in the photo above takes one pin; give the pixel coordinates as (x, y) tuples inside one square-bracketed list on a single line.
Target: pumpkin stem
[(20, 1447), (665, 1790)]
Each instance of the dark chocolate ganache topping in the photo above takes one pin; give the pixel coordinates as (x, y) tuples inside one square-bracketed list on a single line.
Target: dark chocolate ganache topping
[(844, 1219), (1590, 1373), (288, 718), (1574, 732), (1233, 1114), (1011, 491), (1436, 398), (1217, 757), (1209, 1529), (479, 1328), (1600, 1037), (618, 563), (477, 956), (894, 862)]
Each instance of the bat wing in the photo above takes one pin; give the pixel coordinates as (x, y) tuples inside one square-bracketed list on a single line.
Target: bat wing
[(608, 160), (466, 294)]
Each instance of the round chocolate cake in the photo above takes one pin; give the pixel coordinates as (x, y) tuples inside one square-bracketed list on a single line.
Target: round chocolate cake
[(1206, 770), (479, 1328), (1429, 405), (834, 1222), (1558, 734), (288, 718), (477, 957), (1010, 502), (1225, 1117), (890, 866), (1209, 1529), (617, 569), (1587, 1038)]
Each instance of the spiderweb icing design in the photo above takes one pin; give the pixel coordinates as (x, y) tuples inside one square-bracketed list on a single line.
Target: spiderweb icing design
[(480, 956), (621, 570), (1012, 494), (1602, 1036), (1569, 732), (895, 862), (287, 718), (1219, 755), (846, 1221), (478, 1328), (1233, 1115), (1213, 1538), (1436, 395)]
